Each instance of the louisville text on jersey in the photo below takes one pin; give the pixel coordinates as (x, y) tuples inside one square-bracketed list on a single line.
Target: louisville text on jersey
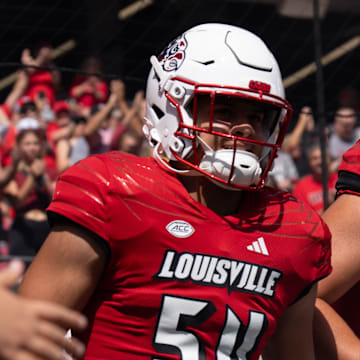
[(218, 271)]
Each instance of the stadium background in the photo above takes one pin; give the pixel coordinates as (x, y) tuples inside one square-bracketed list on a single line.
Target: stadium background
[(125, 45)]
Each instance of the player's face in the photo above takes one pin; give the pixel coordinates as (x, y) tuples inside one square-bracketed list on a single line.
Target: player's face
[(232, 116)]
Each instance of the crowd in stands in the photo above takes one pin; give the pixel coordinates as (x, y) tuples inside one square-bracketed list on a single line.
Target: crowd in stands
[(298, 167), (42, 134)]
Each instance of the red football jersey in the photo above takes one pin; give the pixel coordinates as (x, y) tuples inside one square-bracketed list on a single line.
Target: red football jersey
[(183, 282)]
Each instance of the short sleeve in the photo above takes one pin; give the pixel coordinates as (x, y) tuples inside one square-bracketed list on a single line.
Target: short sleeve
[(81, 195), (313, 261), (349, 172)]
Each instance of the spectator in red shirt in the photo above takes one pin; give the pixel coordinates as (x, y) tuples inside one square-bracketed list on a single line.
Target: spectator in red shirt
[(309, 188), (30, 192), (89, 90), (24, 109), (41, 81)]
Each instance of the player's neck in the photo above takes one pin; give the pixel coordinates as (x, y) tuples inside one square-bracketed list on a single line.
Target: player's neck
[(221, 201)]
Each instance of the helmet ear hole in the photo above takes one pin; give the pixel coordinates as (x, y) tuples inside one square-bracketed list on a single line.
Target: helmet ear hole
[(159, 113)]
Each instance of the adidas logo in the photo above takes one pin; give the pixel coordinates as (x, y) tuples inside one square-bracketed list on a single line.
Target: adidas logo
[(259, 247)]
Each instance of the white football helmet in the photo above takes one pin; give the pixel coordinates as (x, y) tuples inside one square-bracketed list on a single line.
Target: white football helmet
[(214, 60)]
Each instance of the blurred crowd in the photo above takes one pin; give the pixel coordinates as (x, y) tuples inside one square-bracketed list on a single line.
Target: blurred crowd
[(299, 167), (43, 132)]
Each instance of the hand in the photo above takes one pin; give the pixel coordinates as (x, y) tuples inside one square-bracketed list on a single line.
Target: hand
[(42, 58), (37, 167), (307, 117), (117, 92), (86, 88), (27, 59), (139, 103), (92, 80), (34, 330), (16, 155)]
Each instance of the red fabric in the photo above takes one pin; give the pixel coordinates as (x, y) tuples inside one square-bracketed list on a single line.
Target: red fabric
[(351, 159), (8, 144), (41, 80), (151, 225), (310, 191), (5, 108), (61, 106), (34, 200), (88, 99), (51, 128)]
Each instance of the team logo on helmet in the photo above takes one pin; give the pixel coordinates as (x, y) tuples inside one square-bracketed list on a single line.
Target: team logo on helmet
[(173, 55)]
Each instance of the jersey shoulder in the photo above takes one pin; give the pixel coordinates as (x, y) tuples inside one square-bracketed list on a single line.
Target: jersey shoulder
[(116, 172), (351, 159), (95, 189), (300, 234), (283, 213), (349, 172)]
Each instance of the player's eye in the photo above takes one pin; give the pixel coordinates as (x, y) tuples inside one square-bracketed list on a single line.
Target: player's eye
[(222, 113), (256, 117)]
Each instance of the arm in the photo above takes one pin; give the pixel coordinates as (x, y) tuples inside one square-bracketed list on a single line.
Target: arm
[(62, 152), (63, 133), (80, 89), (18, 89), (134, 118), (95, 121), (66, 269), (342, 218), (332, 336), (34, 177), (34, 330), (18, 195), (305, 122), (293, 336)]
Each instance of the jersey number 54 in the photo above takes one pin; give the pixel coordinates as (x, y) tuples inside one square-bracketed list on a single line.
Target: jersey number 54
[(236, 341)]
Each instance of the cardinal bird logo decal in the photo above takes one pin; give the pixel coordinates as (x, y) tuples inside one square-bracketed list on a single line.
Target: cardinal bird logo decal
[(173, 56)]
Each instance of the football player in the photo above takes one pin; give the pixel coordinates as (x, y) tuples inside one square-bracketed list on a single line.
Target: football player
[(342, 287), (188, 255)]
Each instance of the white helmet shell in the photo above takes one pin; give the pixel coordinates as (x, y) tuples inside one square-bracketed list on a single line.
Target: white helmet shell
[(211, 58)]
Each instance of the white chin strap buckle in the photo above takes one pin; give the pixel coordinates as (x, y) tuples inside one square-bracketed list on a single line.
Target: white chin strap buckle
[(246, 172)]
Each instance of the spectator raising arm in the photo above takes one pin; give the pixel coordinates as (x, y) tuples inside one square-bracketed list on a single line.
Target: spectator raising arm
[(305, 123), (95, 121), (15, 94)]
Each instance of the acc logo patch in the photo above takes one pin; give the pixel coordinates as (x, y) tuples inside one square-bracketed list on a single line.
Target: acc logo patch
[(180, 229), (173, 56)]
